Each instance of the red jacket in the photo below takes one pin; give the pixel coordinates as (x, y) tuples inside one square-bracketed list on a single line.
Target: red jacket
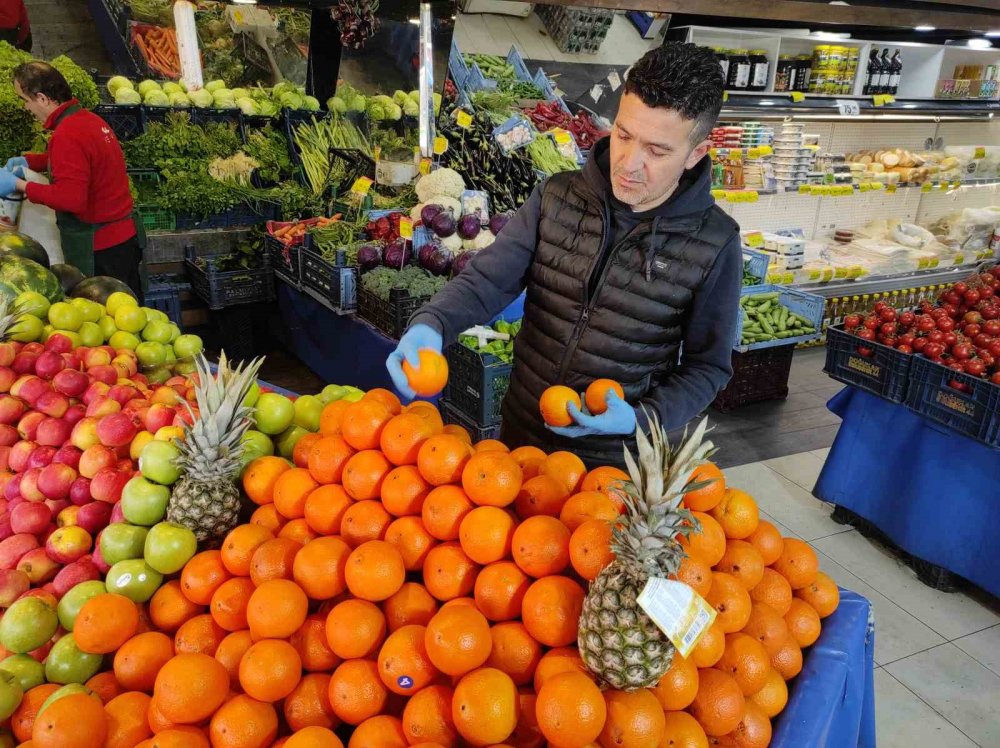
[(13, 15), (88, 176)]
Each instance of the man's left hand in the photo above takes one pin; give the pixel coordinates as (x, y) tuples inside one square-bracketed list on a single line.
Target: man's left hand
[(8, 182), (618, 419)]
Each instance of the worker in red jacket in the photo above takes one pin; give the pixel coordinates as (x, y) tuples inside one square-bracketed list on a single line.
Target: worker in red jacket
[(89, 187), (14, 26)]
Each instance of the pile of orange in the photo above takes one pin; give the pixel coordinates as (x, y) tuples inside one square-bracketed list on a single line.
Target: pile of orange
[(401, 586)]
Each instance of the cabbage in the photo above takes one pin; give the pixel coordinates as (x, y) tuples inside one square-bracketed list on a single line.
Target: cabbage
[(411, 108), (126, 96), (240, 93), (284, 87), (437, 103), (311, 103), (146, 86), (118, 82), (290, 100), (414, 96), (267, 108), (226, 104), (180, 99), (336, 104), (171, 88), (248, 106), (156, 97), (399, 97), (213, 86), (223, 93), (356, 104), (201, 98)]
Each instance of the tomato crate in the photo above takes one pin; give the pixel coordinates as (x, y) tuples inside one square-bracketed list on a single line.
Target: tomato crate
[(806, 305), (392, 316), (867, 365), (225, 288), (973, 410), (758, 375), (125, 120), (452, 415), (336, 284), (477, 383)]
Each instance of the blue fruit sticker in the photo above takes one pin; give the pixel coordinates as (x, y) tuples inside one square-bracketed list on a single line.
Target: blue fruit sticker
[(405, 681)]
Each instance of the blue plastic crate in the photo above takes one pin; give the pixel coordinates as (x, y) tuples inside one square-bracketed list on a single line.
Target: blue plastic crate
[(965, 404), (164, 294), (759, 262), (477, 383), (421, 236), (516, 61), (806, 305), (510, 124), (867, 365), (335, 286), (125, 120), (452, 415), (477, 81), (542, 81), (456, 66)]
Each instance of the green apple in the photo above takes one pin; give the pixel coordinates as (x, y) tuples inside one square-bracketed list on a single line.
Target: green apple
[(158, 374), (67, 663), (353, 394), (47, 331), (274, 413), (27, 329), (185, 368), (175, 332), (135, 579), (119, 299), (308, 409), (151, 354), (91, 335), (65, 316), (332, 393), (122, 339), (255, 444), (129, 318), (11, 694), (91, 311), (108, 326), (169, 546), (156, 331), (32, 302), (155, 315), (288, 439), (72, 601), (70, 689), (27, 625), (144, 502), (28, 671), (158, 462), (187, 346), (121, 541)]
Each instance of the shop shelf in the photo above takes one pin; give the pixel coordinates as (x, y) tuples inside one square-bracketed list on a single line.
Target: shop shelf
[(452, 415), (164, 294), (883, 372), (973, 410), (221, 289), (758, 375), (125, 121), (392, 316), (477, 383), (336, 283), (806, 305)]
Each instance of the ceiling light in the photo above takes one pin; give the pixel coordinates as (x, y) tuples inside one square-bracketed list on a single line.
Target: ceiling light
[(245, 2), (995, 32), (979, 43), (830, 35), (925, 28)]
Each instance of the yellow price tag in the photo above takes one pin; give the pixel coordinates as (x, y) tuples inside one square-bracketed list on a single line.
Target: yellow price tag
[(955, 185), (922, 264), (934, 262), (463, 119), (844, 190), (805, 189), (840, 272), (425, 166), (865, 187), (891, 187), (855, 271), (753, 153), (719, 194), (440, 145), (788, 278), (890, 99), (755, 239), (814, 275), (713, 153), (797, 96), (878, 186), (562, 136), (827, 275), (765, 150), (742, 196), (377, 152), (943, 186), (406, 227), (774, 278), (883, 99), (362, 185), (725, 95), (980, 152), (678, 611), (959, 259), (926, 187)]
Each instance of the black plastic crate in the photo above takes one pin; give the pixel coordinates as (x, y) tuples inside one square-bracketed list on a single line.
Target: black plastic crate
[(126, 121), (337, 284), (221, 289), (285, 260), (219, 117), (758, 375), (477, 383), (164, 294), (242, 216), (195, 222), (234, 329), (973, 410), (452, 415), (867, 365), (392, 316)]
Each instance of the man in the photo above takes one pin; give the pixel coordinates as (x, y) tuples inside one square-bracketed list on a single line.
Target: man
[(15, 28), (632, 272), (89, 187)]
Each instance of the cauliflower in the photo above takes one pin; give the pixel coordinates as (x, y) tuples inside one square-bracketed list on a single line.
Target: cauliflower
[(453, 242), (440, 183), (483, 239)]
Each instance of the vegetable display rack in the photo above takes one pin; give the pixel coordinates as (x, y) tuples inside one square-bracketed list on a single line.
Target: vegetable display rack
[(758, 375), (223, 288), (806, 305), (867, 365), (126, 121), (452, 415), (963, 403), (334, 286), (477, 383), (164, 294), (392, 316)]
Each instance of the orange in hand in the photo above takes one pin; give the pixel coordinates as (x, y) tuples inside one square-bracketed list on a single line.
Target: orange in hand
[(596, 396), (554, 405), (431, 376)]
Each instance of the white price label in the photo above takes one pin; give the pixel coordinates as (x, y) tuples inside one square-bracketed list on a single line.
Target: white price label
[(678, 611), (615, 80), (596, 93), (848, 108)]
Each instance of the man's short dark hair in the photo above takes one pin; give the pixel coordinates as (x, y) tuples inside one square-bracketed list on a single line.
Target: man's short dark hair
[(683, 77), (41, 78)]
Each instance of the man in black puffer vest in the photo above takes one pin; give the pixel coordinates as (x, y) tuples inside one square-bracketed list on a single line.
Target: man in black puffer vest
[(632, 273)]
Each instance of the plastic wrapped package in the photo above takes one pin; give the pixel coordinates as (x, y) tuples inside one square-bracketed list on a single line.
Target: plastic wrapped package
[(968, 230)]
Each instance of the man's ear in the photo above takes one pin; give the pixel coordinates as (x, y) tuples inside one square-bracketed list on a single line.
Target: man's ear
[(697, 154)]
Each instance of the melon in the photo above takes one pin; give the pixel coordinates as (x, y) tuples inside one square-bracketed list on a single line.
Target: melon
[(68, 275), (99, 288), (23, 245), (19, 274)]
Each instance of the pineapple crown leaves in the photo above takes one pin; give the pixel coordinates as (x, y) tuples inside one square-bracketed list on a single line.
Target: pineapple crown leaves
[(10, 315)]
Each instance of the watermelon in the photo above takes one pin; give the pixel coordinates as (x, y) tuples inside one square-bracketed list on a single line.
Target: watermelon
[(68, 275), (23, 245), (99, 288), (19, 274)]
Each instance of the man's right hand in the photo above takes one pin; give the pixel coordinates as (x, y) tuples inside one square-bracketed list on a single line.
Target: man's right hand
[(417, 337), (18, 165)]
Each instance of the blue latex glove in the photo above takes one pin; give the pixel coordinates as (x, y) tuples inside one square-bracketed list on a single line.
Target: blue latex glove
[(18, 165), (618, 419), (417, 337), (8, 182)]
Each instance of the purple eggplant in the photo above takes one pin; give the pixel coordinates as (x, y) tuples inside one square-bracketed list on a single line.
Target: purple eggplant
[(397, 254), (429, 212), (462, 260), (444, 223), (498, 221), (469, 226)]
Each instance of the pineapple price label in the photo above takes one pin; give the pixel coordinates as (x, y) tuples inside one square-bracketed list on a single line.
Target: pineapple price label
[(362, 185), (742, 196), (754, 239), (890, 188), (959, 259), (678, 611), (788, 278), (406, 227), (805, 189), (719, 194), (926, 187), (753, 153)]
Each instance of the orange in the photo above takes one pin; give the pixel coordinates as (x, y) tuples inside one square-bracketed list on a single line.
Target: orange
[(558, 660), (499, 591), (822, 594), (774, 590), (243, 722), (412, 604), (357, 692), (803, 623), (442, 459), (603, 479), (542, 494), (403, 436), (430, 375), (291, 490), (189, 688), (311, 644), (327, 458), (514, 652), (23, 719), (169, 607), (453, 429), (571, 710), (429, 413), (527, 733), (768, 542), (309, 704), (157, 722), (798, 563), (230, 651), (554, 405), (105, 686), (635, 719), (737, 514), (313, 737), (177, 737), (540, 546), (485, 706), (403, 662), (274, 559), (325, 508), (485, 534), (589, 548), (768, 627), (363, 521), (773, 697), (587, 505), (530, 459), (788, 660), (443, 512), (320, 566), (74, 721), (678, 686), (276, 610), (300, 452), (267, 516), (551, 610), (708, 544), (745, 659), (383, 731), (710, 646), (332, 418), (229, 603), (568, 470), (363, 423), (239, 545), (491, 445), (695, 575), (719, 704), (200, 635), (596, 396), (754, 730), (743, 561), (202, 576), (412, 541), (260, 476), (457, 640), (730, 598), (448, 573), (364, 473), (375, 571), (355, 628), (427, 717), (404, 491), (387, 398), (270, 670), (492, 479), (706, 498), (126, 719), (297, 530), (104, 623), (683, 731), (140, 658)]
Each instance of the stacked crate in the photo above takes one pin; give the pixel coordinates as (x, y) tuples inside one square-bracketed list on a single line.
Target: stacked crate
[(576, 29)]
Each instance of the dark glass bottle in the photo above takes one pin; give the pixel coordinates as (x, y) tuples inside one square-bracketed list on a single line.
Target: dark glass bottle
[(885, 70), (871, 74), (895, 72)]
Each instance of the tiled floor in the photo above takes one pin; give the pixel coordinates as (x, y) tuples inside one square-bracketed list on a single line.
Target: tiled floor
[(937, 654)]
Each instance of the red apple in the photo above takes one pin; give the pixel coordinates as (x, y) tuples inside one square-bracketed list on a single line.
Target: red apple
[(58, 343), (165, 396), (29, 485), (4, 466), (94, 390), (39, 566), (68, 455), (30, 517), (96, 458), (27, 427), (71, 382), (56, 480), (69, 544), (82, 570), (7, 353), (116, 430), (97, 357), (94, 517), (79, 492), (49, 364), (75, 413), (14, 547), (19, 455), (11, 409), (107, 485), (105, 373), (67, 515), (126, 365), (117, 514), (13, 584), (103, 405), (53, 404), (157, 417), (41, 456), (7, 378), (54, 431), (24, 363), (8, 435), (12, 490), (84, 434)]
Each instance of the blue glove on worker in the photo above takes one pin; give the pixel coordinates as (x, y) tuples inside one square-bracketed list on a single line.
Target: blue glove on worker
[(18, 165), (417, 337), (618, 419), (8, 182)]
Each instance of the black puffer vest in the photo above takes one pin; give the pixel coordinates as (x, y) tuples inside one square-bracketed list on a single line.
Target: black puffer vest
[(632, 327)]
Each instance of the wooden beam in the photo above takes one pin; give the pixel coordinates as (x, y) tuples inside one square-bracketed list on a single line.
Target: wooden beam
[(805, 12), (984, 4)]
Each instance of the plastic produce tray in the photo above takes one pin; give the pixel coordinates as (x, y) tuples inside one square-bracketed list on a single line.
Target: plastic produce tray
[(885, 372), (243, 216), (164, 294), (127, 122), (153, 217), (974, 413), (759, 263), (392, 316), (807, 305), (204, 117), (336, 284), (758, 375), (452, 415), (221, 289), (477, 383)]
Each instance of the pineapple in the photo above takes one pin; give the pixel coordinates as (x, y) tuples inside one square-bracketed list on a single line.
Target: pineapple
[(206, 500), (617, 640), (10, 315)]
